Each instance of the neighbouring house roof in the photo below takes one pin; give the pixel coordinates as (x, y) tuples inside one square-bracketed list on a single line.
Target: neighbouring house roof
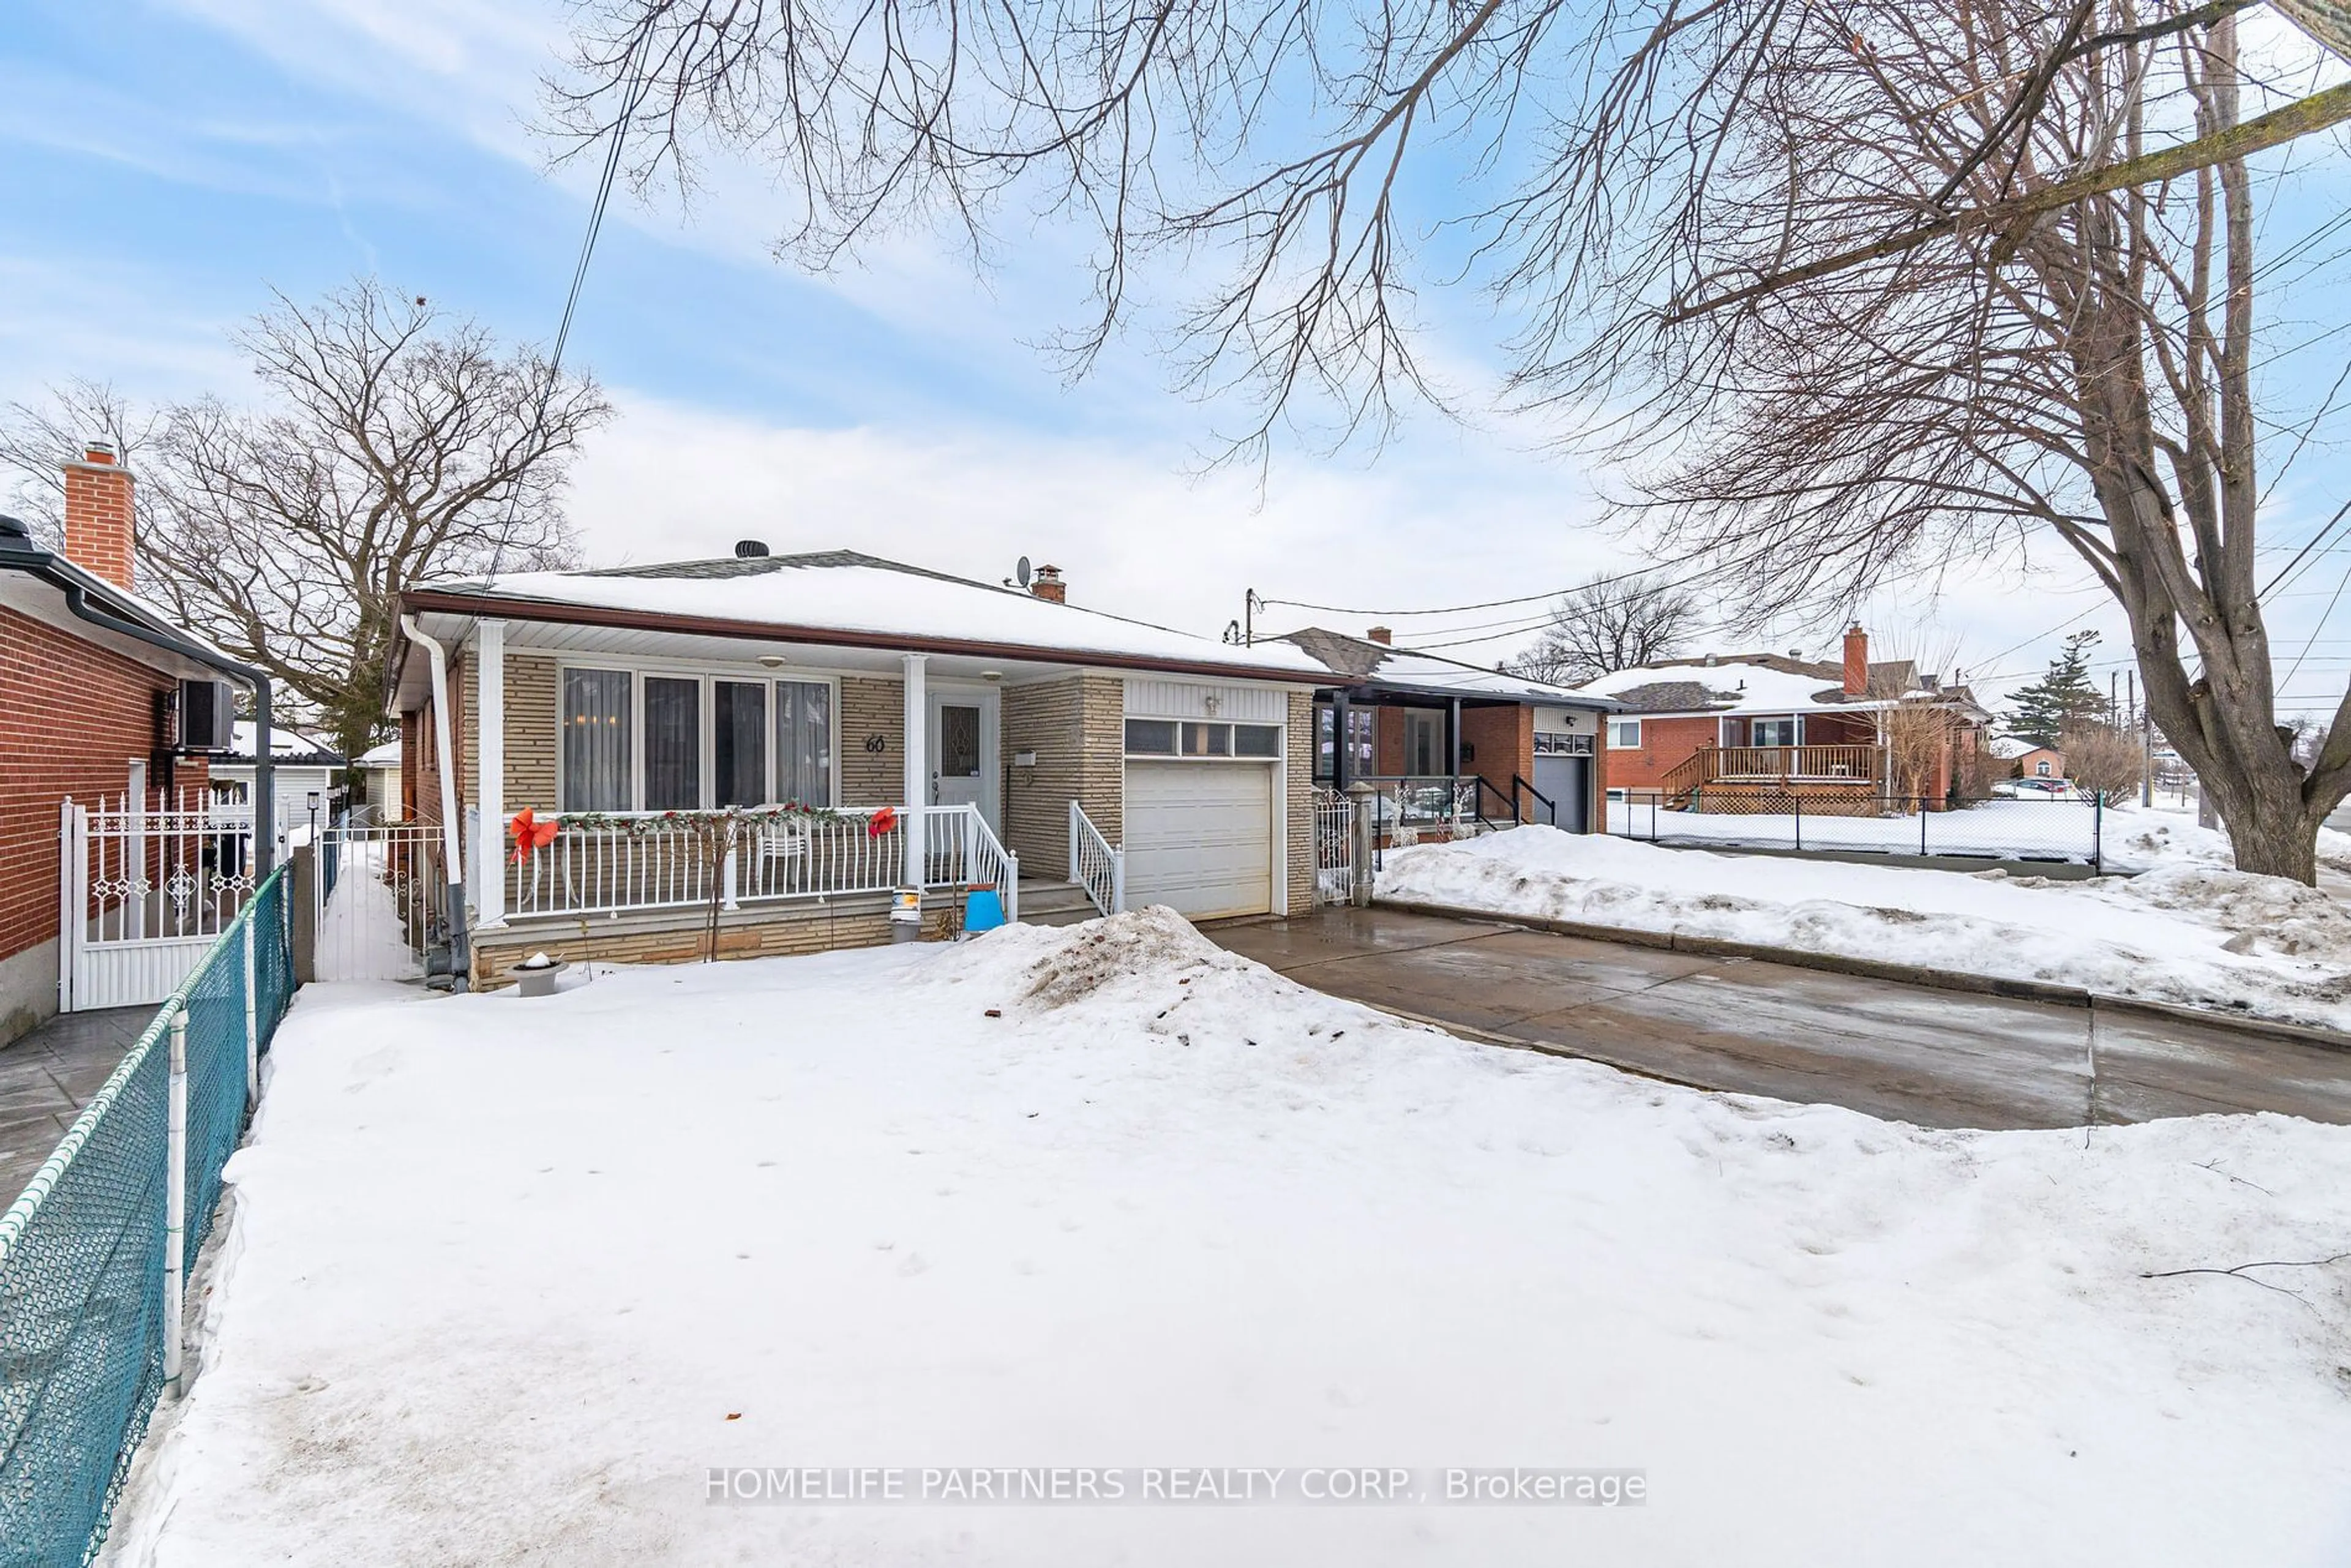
[(1768, 684), (847, 598), (2010, 748), (1359, 662), (288, 748), (45, 600), (384, 756)]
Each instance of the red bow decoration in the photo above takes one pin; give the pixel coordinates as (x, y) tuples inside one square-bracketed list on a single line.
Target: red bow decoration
[(529, 833), (884, 820)]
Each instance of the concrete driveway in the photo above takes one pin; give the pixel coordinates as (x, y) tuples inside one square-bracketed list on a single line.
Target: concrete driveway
[(1939, 1059)]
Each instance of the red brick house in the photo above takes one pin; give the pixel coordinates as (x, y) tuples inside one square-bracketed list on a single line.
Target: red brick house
[(91, 687), (1720, 731)]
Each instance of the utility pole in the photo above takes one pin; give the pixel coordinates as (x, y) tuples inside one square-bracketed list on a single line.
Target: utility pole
[(1248, 618), (2146, 744)]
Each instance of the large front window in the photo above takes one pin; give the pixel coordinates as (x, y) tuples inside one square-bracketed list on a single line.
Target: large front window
[(599, 758), (661, 742)]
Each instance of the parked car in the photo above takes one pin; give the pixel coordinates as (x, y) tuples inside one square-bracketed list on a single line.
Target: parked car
[(2038, 789)]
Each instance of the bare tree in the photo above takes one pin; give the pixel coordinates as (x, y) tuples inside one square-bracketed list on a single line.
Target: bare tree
[(2103, 758), (1686, 207), (36, 438), (392, 445), (1607, 624)]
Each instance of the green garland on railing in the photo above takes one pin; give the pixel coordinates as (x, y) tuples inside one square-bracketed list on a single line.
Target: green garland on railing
[(671, 821)]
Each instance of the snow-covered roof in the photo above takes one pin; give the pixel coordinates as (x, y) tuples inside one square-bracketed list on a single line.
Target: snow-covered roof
[(384, 756), (2009, 747), (1760, 684), (881, 603), (285, 745), (1361, 660)]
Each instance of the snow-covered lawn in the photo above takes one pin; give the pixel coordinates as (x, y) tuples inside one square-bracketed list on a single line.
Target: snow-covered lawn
[(506, 1279), (2189, 932)]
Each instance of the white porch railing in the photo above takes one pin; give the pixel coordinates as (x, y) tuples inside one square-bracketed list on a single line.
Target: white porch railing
[(1094, 865), (651, 861)]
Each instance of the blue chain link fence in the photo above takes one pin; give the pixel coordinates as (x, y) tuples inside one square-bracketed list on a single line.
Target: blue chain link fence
[(83, 1315)]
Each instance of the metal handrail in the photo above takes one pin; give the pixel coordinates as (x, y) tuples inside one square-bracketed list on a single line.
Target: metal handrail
[(1509, 803), (1518, 784), (1094, 865)]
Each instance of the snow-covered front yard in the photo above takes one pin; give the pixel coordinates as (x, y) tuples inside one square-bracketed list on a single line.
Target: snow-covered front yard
[(2189, 932), (506, 1280)]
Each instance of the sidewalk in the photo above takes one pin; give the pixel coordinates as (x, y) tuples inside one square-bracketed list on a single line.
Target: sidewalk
[(48, 1075)]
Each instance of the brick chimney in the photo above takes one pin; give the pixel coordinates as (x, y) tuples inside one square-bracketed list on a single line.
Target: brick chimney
[(1048, 584), (1382, 635), (98, 514), (1857, 660)]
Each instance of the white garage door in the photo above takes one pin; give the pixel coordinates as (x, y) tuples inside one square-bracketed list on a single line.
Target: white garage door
[(1199, 837)]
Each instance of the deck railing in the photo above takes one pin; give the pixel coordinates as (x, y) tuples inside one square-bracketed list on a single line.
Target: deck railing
[(1859, 765), (628, 861)]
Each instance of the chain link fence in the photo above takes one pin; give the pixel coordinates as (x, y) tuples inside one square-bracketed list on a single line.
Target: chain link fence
[(88, 1315), (1995, 828)]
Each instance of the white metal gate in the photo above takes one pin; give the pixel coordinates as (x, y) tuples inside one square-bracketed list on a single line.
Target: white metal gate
[(147, 884), (1334, 841), (379, 901)]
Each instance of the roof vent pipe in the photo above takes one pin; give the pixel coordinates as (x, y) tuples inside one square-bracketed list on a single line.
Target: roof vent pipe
[(749, 550)]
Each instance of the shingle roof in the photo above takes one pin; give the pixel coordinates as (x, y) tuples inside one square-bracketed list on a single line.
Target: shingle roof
[(1361, 661)]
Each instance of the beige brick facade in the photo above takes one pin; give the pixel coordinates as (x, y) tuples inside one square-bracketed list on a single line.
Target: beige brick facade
[(531, 737), (680, 937), (1075, 728), (871, 708)]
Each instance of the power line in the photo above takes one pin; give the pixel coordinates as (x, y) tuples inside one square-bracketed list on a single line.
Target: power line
[(633, 95)]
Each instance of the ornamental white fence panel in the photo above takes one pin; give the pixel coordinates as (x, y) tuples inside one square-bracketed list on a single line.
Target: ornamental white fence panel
[(146, 885)]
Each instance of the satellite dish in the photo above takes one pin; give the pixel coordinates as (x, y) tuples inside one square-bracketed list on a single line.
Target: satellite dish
[(1021, 571)]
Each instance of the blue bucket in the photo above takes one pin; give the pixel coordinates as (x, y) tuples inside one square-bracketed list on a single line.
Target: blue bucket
[(983, 911)]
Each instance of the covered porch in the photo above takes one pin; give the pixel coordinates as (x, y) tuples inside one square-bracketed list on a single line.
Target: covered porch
[(692, 792)]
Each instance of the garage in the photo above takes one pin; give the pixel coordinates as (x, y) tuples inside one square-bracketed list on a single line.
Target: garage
[(1199, 837)]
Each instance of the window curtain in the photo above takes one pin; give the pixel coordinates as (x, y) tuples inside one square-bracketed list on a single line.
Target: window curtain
[(672, 744), (804, 743), (596, 740), (741, 742)]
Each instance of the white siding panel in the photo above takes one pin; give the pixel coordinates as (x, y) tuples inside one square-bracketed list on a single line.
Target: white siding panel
[(1150, 698)]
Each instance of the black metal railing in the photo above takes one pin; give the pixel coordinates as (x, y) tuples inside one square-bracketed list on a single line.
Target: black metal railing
[(1990, 828)]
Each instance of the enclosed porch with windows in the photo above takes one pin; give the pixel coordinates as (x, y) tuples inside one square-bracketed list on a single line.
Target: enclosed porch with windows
[(1453, 766)]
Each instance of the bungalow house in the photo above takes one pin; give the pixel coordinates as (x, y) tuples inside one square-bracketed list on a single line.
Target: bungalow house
[(1725, 731), (1452, 745), (2024, 759), (305, 778), (108, 713), (902, 728)]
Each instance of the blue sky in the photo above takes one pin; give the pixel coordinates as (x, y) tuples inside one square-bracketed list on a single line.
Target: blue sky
[(163, 165)]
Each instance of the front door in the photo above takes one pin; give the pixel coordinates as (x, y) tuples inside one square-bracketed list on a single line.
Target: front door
[(959, 749)]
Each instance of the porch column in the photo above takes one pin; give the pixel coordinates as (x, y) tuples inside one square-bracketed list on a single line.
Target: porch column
[(918, 779), (1338, 741), (490, 725), (1453, 745)]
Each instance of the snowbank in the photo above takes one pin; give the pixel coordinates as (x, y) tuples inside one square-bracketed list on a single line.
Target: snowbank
[(506, 1280), (2189, 932), (2146, 837)]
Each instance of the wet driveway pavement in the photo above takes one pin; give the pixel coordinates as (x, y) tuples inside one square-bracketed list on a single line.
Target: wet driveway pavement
[(1939, 1058), (48, 1075)]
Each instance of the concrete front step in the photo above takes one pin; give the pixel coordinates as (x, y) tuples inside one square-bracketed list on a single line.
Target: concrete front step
[(1054, 903)]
